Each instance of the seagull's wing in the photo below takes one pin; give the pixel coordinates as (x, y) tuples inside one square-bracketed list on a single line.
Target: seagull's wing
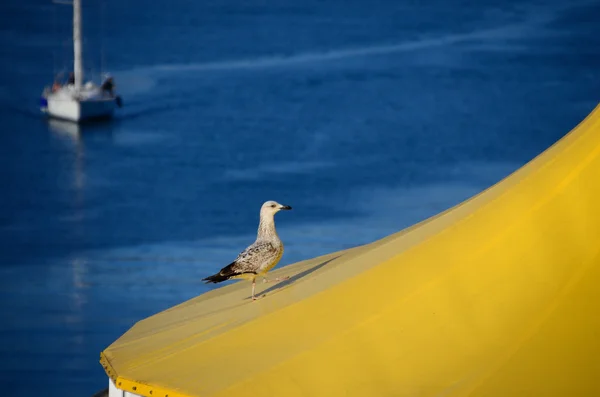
[(247, 262), (255, 256)]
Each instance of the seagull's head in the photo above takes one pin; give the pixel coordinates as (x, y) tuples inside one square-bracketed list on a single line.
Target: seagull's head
[(273, 207)]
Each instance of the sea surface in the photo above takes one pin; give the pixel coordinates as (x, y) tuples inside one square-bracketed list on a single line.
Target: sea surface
[(364, 116)]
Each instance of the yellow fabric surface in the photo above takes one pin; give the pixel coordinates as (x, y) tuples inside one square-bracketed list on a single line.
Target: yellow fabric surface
[(498, 296)]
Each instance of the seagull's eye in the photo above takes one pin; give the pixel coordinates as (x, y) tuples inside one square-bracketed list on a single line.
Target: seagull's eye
[(272, 205)]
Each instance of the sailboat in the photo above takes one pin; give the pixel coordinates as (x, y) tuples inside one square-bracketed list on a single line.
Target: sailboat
[(77, 101)]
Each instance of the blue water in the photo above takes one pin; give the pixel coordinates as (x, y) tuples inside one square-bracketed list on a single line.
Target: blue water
[(365, 116)]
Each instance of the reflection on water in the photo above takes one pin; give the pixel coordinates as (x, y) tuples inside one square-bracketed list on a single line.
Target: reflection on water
[(78, 268), (65, 128), (71, 133)]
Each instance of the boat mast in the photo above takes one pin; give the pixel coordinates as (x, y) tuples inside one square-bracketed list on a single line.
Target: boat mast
[(77, 47)]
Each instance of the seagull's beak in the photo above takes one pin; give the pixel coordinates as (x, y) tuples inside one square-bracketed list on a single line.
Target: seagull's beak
[(285, 207)]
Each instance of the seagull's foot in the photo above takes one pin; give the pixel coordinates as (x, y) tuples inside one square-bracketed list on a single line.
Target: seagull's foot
[(278, 279)]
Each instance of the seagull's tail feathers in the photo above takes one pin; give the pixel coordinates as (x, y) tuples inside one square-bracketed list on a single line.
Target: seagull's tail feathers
[(228, 272), (215, 278)]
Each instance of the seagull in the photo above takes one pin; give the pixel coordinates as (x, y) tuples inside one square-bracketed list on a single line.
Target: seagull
[(261, 256)]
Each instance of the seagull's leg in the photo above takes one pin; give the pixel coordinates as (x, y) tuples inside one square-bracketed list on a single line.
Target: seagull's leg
[(253, 288)]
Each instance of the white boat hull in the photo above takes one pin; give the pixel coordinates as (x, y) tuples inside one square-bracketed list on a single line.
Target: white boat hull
[(86, 104), (75, 110)]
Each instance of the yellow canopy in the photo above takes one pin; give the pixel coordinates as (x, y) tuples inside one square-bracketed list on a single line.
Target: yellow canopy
[(499, 296)]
